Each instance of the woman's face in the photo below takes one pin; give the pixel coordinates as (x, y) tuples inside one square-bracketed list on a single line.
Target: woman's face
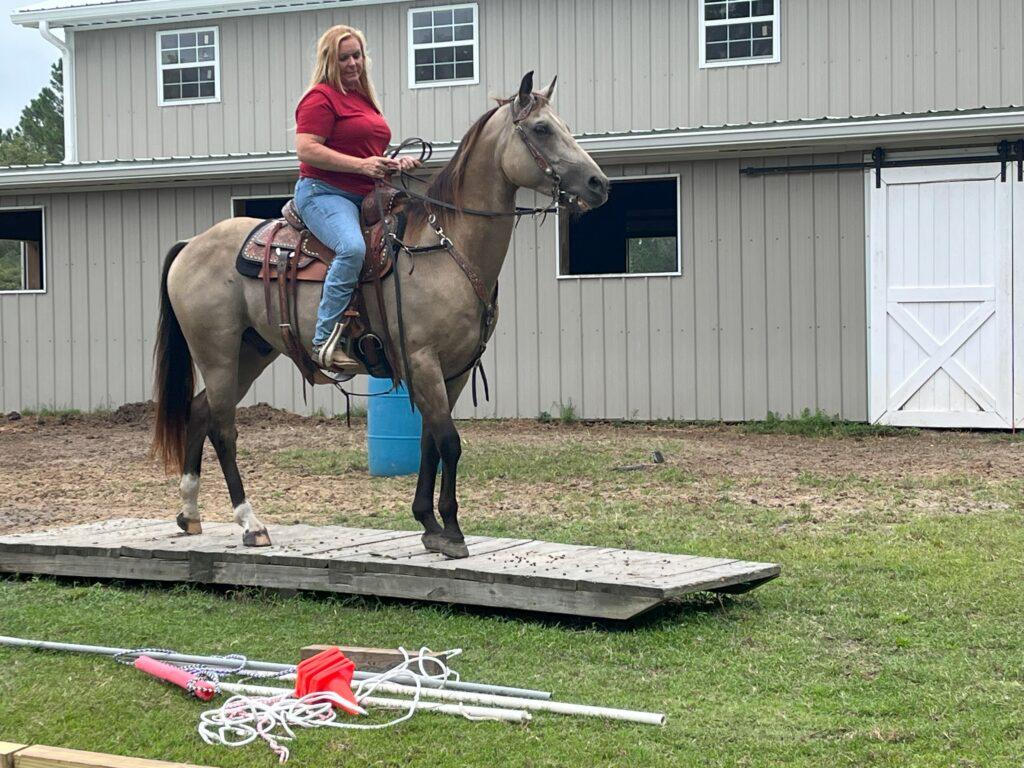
[(350, 58)]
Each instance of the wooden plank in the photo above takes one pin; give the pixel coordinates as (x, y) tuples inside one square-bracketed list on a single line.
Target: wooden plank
[(7, 751), (500, 572), (365, 659), (94, 567), (59, 757)]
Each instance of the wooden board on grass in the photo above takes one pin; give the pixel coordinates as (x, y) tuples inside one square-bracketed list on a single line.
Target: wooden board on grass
[(523, 574)]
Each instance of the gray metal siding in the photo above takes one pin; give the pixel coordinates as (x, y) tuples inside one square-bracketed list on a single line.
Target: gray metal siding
[(769, 313), (621, 65)]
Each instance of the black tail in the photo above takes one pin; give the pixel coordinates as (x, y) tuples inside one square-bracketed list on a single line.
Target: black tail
[(173, 379)]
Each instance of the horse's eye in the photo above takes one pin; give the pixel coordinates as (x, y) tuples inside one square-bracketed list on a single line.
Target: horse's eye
[(541, 129)]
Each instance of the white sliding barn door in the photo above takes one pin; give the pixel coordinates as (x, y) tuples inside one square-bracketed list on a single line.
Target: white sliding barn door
[(941, 345)]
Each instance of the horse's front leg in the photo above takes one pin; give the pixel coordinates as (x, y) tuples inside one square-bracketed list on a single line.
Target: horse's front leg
[(435, 400)]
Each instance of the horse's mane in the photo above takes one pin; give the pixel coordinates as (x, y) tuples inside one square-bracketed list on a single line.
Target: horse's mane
[(447, 185)]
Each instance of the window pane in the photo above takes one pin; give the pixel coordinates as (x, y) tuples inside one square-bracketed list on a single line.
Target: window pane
[(190, 90), (11, 278), (651, 254), (187, 39), (442, 34), (424, 73), (206, 38), (739, 50), (422, 36), (463, 15), (464, 53), (717, 51), (444, 72), (168, 41), (762, 47), (206, 90), (188, 55), (717, 33), (465, 32), (190, 75), (169, 57), (442, 17), (737, 10), (425, 56), (172, 92), (206, 54), (762, 8), (764, 29), (464, 70), (444, 55), (713, 11), (206, 74), (739, 31), (421, 19), (172, 76)]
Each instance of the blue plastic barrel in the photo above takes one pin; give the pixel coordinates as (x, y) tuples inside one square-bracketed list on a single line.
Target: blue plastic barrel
[(393, 431)]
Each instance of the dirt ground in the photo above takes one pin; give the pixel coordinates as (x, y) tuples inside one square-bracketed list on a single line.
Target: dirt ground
[(58, 470)]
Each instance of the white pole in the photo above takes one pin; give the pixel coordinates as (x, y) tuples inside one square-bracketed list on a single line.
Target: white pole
[(512, 702), (490, 713), (267, 666)]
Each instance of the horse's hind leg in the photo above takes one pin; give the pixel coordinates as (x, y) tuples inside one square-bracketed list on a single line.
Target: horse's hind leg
[(189, 519), (254, 357)]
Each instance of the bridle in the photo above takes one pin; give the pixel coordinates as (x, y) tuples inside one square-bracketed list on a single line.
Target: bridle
[(558, 195)]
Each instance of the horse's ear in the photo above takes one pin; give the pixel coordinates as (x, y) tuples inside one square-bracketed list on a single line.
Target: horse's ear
[(526, 86), (549, 92), (525, 95)]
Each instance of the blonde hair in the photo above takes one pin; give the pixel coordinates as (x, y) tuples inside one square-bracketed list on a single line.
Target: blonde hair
[(327, 68)]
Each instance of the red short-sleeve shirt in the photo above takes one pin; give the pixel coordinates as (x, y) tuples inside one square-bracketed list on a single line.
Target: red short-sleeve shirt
[(351, 125)]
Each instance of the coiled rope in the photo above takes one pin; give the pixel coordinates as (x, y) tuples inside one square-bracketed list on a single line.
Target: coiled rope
[(243, 719)]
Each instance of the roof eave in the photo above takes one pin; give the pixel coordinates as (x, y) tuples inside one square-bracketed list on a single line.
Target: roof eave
[(653, 146), (153, 11)]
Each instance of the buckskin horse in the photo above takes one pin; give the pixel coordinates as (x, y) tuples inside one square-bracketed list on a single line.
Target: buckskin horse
[(458, 234)]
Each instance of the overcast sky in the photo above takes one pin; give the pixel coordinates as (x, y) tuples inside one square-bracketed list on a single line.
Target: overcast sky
[(25, 60)]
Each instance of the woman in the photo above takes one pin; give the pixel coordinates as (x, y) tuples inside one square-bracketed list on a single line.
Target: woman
[(340, 140)]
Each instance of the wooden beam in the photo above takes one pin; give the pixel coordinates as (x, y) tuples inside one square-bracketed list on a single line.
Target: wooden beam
[(58, 757), (365, 659), (7, 750)]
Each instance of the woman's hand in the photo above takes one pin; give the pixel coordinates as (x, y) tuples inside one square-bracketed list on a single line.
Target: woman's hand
[(408, 163), (378, 167)]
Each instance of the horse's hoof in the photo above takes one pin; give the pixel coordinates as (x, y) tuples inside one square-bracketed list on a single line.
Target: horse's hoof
[(189, 526), (256, 538), (433, 542), (453, 550)]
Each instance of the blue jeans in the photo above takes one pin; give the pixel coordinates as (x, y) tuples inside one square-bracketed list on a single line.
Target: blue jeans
[(332, 215)]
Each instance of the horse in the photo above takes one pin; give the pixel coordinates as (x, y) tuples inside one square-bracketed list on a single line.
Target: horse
[(213, 318)]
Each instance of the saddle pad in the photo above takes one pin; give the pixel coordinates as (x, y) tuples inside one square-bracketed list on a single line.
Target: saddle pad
[(376, 265)]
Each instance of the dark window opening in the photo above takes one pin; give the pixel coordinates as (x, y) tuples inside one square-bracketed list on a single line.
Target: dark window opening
[(259, 207), (635, 232), (21, 251)]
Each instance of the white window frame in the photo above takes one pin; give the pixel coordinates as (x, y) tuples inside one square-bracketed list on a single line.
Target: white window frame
[(412, 47), (775, 18), (42, 245), (160, 67), (616, 275)]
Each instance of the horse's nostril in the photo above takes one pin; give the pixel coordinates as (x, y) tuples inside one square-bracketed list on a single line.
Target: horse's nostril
[(598, 184)]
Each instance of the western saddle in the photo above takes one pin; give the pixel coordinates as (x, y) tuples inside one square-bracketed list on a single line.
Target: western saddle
[(284, 251)]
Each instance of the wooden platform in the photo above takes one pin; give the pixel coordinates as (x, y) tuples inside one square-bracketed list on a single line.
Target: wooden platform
[(506, 573)]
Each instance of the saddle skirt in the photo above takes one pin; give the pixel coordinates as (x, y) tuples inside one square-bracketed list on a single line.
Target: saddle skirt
[(290, 236)]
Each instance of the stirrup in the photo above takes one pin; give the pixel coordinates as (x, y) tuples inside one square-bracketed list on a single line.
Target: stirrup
[(325, 355)]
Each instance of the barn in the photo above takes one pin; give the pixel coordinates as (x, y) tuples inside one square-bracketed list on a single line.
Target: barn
[(812, 202)]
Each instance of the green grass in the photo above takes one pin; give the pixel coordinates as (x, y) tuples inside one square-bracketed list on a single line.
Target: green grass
[(820, 424), (893, 639)]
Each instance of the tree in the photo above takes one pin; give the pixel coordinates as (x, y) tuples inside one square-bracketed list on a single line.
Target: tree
[(39, 135)]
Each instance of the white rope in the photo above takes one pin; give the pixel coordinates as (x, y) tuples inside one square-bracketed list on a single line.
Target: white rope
[(243, 719)]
